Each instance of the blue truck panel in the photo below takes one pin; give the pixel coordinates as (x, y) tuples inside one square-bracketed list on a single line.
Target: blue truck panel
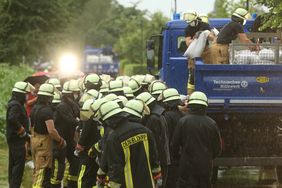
[(241, 88), (96, 61)]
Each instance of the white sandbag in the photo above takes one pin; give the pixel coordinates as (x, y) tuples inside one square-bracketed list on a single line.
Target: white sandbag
[(253, 59), (267, 54), (198, 45), (241, 59), (265, 62)]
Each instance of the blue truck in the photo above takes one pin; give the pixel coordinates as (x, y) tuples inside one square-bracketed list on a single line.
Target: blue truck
[(245, 100), (100, 61)]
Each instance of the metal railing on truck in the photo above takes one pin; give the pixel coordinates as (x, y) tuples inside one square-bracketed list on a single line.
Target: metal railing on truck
[(269, 53)]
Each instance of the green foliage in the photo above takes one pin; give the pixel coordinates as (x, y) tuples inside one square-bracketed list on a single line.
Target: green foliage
[(225, 8), (32, 30), (274, 17), (220, 9), (133, 69), (8, 76), (131, 44), (122, 65)]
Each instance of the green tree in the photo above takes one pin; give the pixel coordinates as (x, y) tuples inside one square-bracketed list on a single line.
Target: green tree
[(31, 28), (225, 8), (220, 9), (273, 18)]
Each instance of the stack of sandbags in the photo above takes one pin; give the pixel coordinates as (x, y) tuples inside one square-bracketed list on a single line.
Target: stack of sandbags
[(263, 57)]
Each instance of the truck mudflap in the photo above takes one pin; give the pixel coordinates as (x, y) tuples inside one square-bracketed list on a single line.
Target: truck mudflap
[(240, 88)]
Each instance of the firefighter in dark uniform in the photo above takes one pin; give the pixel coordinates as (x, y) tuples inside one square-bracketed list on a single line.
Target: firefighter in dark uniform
[(157, 124), (171, 100), (58, 163), (90, 135), (16, 132), (195, 24), (230, 32), (66, 121), (199, 139), (43, 134), (131, 158), (156, 88), (92, 81)]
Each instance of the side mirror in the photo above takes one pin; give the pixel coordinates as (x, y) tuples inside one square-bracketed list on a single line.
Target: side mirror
[(150, 54)]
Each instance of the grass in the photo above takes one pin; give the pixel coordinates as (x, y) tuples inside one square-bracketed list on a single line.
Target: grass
[(27, 179)]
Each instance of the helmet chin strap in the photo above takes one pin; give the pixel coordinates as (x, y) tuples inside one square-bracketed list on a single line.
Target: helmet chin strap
[(194, 23), (244, 22)]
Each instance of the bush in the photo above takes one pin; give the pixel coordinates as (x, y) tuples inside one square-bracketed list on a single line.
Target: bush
[(133, 69), (8, 76), (122, 65)]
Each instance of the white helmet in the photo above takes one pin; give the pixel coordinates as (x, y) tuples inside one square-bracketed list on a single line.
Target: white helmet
[(109, 109), (57, 97), (115, 85), (137, 108), (23, 87), (241, 13), (146, 97), (46, 90), (198, 97), (134, 84), (86, 112), (128, 92), (56, 82), (156, 87), (191, 18), (169, 94)]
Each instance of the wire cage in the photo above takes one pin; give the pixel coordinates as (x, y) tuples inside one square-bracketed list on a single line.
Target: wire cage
[(269, 53)]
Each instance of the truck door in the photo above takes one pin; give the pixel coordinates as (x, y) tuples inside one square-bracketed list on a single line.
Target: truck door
[(176, 66)]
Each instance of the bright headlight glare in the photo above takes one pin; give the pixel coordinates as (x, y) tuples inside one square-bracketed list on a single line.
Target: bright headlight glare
[(68, 63)]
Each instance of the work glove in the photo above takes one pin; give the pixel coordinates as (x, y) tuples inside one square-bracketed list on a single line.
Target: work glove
[(62, 143), (79, 148), (21, 132), (101, 179), (157, 176), (114, 185)]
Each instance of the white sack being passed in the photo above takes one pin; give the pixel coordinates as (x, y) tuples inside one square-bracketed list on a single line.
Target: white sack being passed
[(198, 45)]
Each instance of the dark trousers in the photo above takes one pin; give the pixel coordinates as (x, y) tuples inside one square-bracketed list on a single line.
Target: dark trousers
[(58, 168), (193, 181), (16, 165), (172, 176), (73, 169), (164, 174), (87, 172)]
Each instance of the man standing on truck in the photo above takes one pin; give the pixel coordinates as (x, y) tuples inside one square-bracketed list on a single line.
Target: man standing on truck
[(195, 24), (199, 139), (231, 31)]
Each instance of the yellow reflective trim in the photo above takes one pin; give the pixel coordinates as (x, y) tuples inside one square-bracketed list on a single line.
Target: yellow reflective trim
[(127, 168), (55, 175), (147, 151), (81, 173), (72, 178), (102, 131), (133, 140), (39, 180)]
